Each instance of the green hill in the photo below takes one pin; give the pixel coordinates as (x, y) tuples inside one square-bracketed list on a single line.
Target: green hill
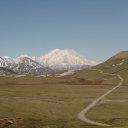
[(118, 64)]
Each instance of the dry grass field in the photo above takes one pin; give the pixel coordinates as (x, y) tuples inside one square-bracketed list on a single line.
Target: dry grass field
[(51, 102), (47, 106), (57, 106), (113, 109)]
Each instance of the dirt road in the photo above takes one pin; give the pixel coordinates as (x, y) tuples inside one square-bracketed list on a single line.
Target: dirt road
[(82, 114)]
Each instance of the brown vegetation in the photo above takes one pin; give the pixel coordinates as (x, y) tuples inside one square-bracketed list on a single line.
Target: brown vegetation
[(120, 55), (28, 80)]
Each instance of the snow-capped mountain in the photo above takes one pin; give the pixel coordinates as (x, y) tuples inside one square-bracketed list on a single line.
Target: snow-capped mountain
[(64, 60), (23, 65), (53, 61), (6, 61)]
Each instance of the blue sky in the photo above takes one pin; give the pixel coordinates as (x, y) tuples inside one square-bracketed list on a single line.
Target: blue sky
[(96, 29)]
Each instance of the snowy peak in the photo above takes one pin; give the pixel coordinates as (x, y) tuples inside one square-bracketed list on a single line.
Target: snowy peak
[(25, 65), (53, 61), (66, 52), (64, 59), (23, 56), (6, 61), (27, 61), (63, 52), (23, 59), (22, 65)]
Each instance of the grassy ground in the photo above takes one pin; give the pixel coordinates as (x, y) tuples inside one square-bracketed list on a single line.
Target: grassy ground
[(89, 74), (47, 106), (95, 75), (113, 112), (56, 106)]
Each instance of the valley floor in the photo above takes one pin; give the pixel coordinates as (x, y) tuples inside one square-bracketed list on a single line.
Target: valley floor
[(57, 106)]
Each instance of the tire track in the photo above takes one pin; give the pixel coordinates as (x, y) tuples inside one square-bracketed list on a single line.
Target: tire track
[(82, 114)]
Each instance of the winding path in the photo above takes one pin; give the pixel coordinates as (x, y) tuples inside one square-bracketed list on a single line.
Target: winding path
[(82, 114)]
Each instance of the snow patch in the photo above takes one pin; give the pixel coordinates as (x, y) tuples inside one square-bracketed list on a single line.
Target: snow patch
[(70, 72), (46, 75), (20, 76), (117, 64)]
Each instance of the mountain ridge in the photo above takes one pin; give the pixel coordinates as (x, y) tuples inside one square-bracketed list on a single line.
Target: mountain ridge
[(117, 64), (65, 59), (120, 55), (90, 76), (55, 60)]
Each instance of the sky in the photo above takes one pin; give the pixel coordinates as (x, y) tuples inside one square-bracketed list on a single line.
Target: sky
[(97, 29)]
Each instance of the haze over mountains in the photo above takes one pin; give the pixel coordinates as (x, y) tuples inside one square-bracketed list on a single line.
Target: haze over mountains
[(56, 60)]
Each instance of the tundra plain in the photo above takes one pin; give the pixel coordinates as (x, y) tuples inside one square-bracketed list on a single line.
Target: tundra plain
[(57, 106)]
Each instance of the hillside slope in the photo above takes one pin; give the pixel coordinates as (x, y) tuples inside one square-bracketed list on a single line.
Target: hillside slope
[(118, 64)]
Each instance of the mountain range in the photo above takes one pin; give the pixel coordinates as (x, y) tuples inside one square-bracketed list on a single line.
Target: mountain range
[(24, 65), (56, 60)]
